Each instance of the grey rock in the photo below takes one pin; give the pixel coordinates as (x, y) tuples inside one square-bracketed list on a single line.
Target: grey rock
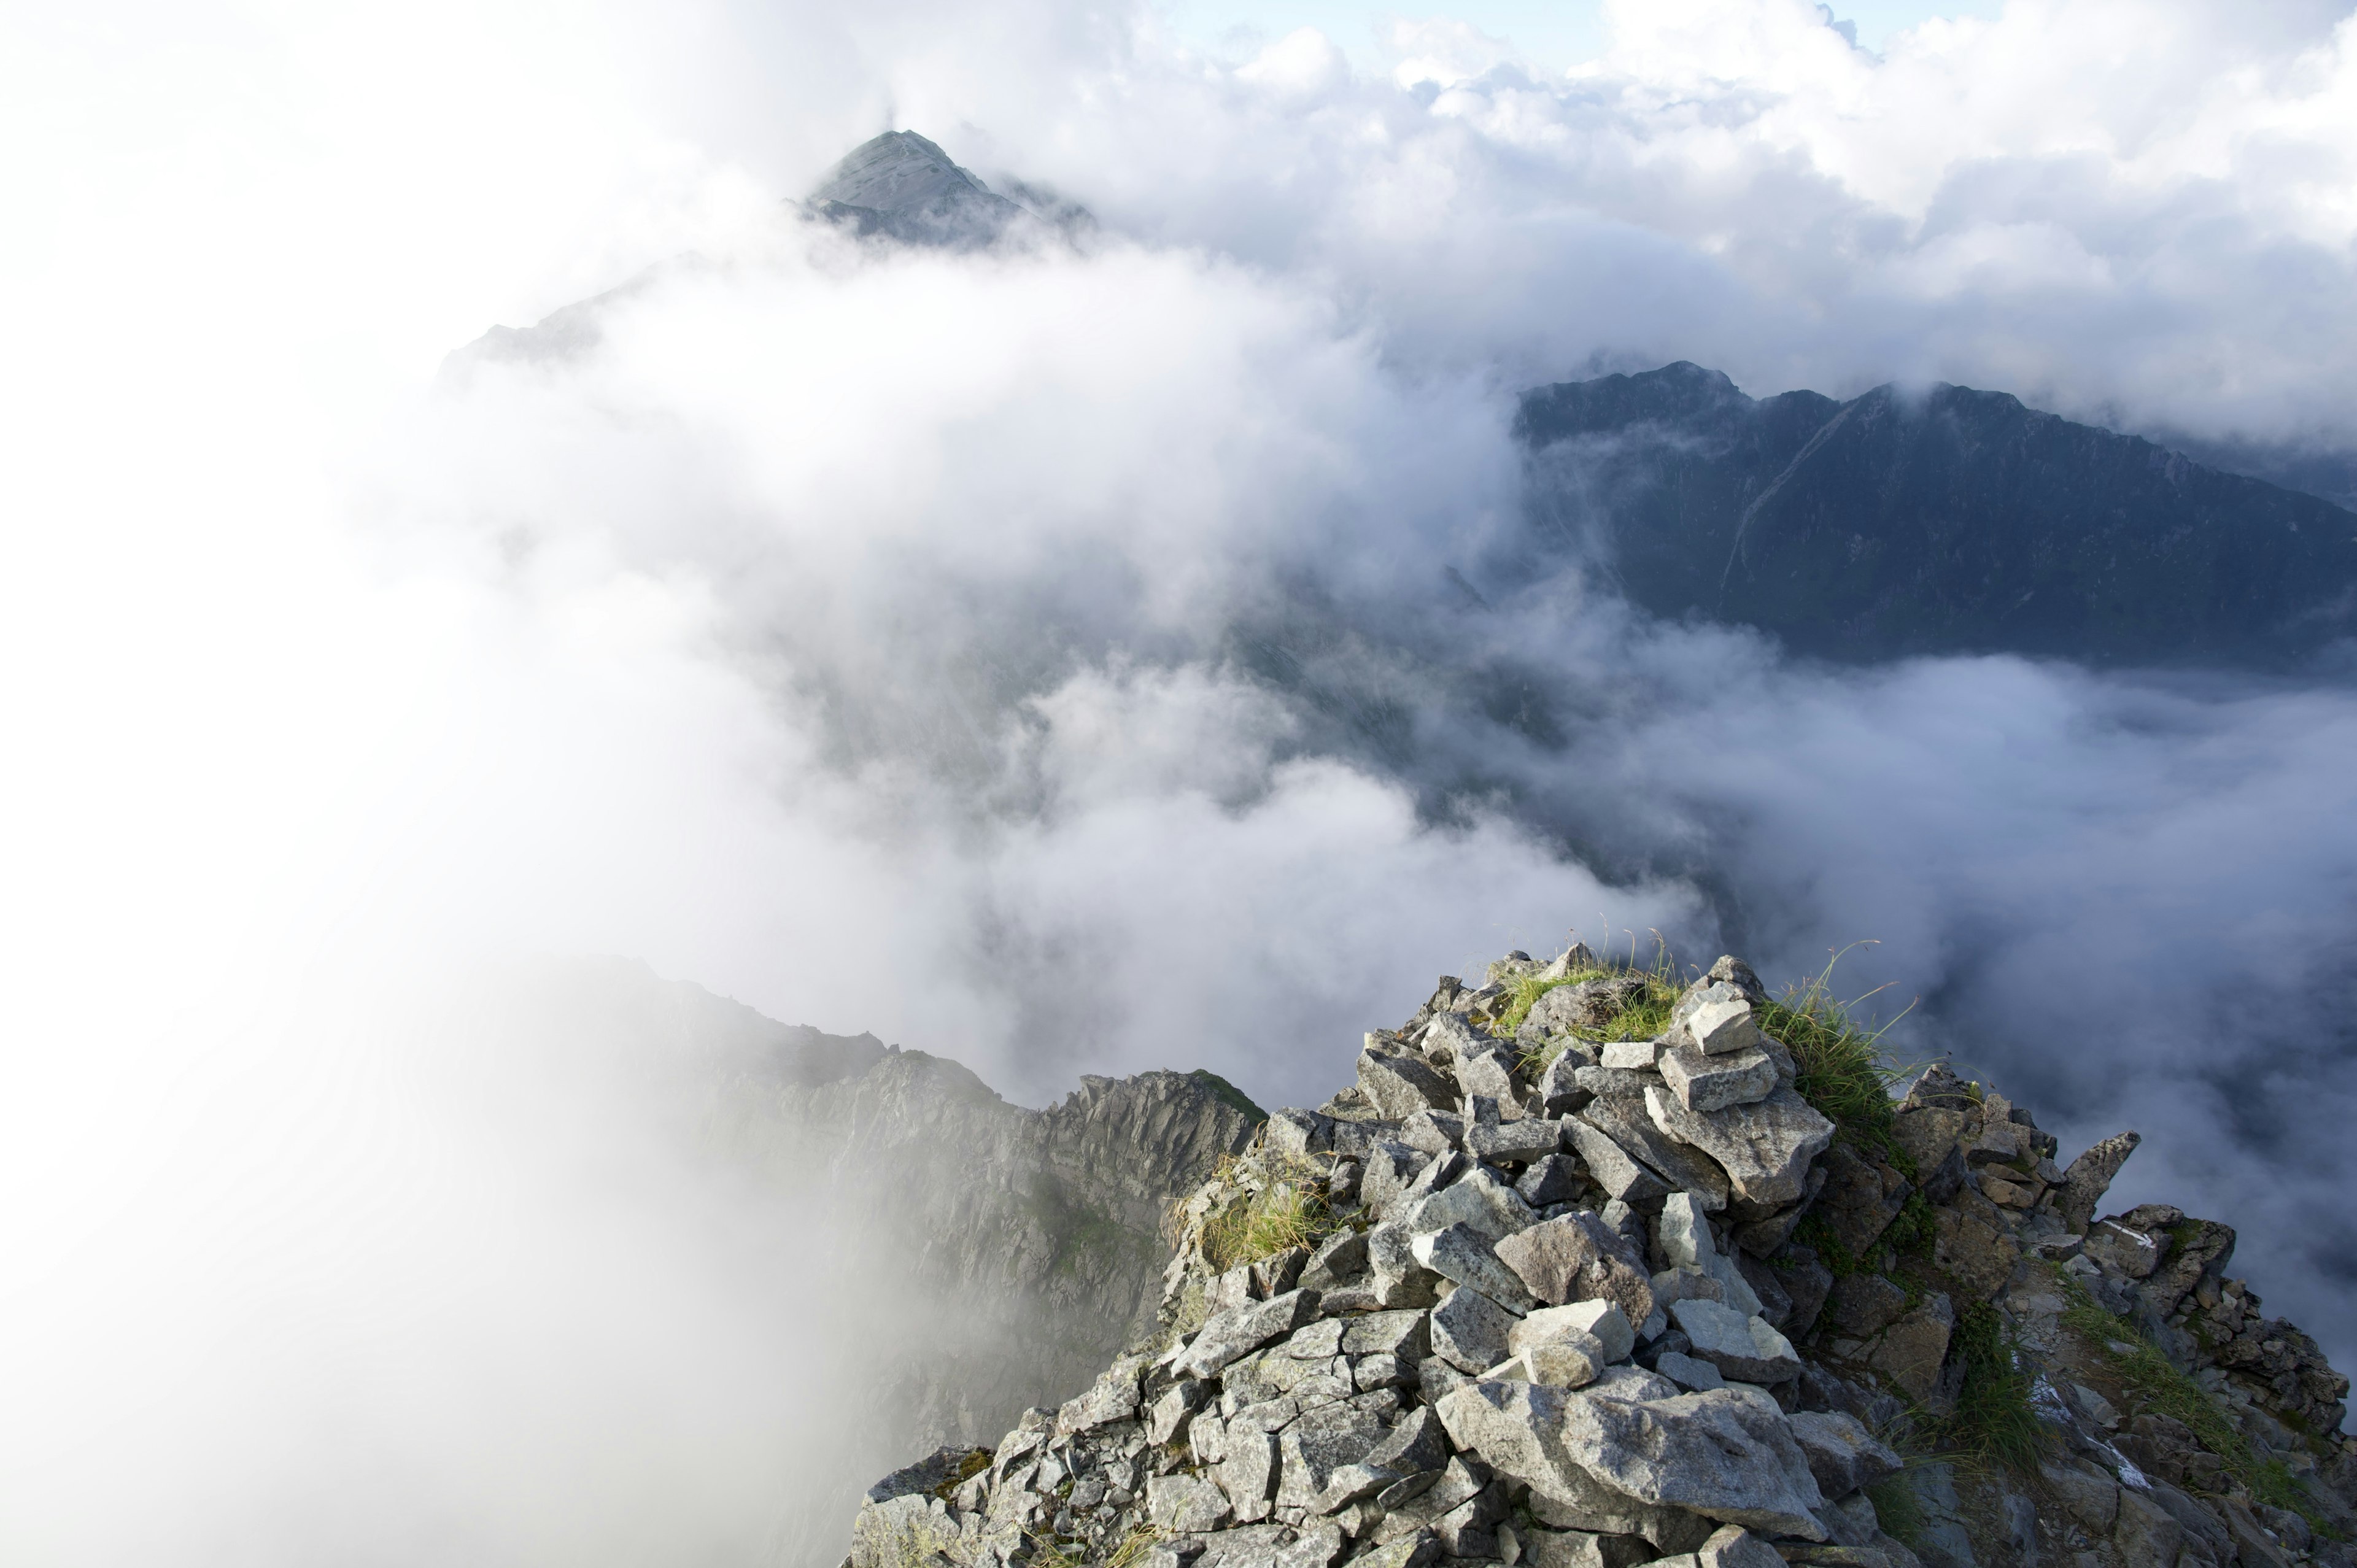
[(1857, 1202), (1250, 1546), (1488, 1071), (1468, 1331), (1248, 1474), (2090, 1176), (1114, 1396), (1582, 1549), (1399, 1085), (1732, 971), (1419, 1550), (1912, 1350), (1435, 1132), (1559, 1089), (1808, 1283), (1477, 1199), (1463, 1255), (1628, 1120), (1577, 1257), (1391, 1166), (1296, 1132), (1400, 1334), (2087, 1495), (1553, 1178), (1568, 1360), (1630, 1056), (1743, 1348), (1722, 1026), (1614, 1081), (1316, 1546), (1764, 1148), (1683, 1236), (2145, 1533), (1863, 1306), (1400, 1279), (1520, 1142), (1715, 1082), (1185, 1505), (1341, 1256), (1319, 1341), (1616, 1170), (1714, 1453), (1600, 1320), (2130, 1252), (1239, 1330), (1687, 1373), (1177, 1407), (1844, 1455), (1323, 1460), (1417, 1446)]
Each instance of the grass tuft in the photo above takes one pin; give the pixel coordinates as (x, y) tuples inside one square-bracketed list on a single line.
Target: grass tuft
[(1897, 1509), (1994, 1419), (1842, 1071), (1134, 1547), (1289, 1210), (2146, 1370)]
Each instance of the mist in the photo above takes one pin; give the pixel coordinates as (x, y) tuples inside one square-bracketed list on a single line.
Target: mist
[(1077, 659)]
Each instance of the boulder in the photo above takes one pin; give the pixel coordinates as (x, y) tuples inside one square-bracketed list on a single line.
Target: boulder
[(1341, 1256), (1462, 1253), (1469, 1330), (1683, 1236), (1560, 1091), (1599, 1320), (1399, 1333), (1858, 1200), (1722, 1026), (1185, 1505), (1715, 1082), (1978, 1255), (1488, 1070), (1400, 1281), (1436, 1133), (1912, 1349), (1581, 1549), (1716, 1454), (1628, 1122), (1479, 1201), (1248, 1473), (1491, 1136), (1390, 1167), (1616, 1170), (1239, 1330), (1399, 1085), (1569, 1360), (1744, 1349), (1323, 1459), (2200, 1250), (1577, 1257), (2135, 1253), (1764, 1147), (1553, 1178), (1929, 1134), (1687, 1373), (1844, 1455), (2090, 1176)]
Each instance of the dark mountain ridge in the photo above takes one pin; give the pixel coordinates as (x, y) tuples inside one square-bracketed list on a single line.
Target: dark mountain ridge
[(1952, 520)]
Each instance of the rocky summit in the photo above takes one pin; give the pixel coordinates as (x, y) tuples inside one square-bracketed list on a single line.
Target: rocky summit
[(1590, 1268)]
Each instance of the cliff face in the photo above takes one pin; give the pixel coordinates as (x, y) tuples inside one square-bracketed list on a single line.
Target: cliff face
[(1588, 1270), (1956, 521)]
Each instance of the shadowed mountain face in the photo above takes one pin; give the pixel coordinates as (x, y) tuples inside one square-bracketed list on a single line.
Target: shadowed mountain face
[(1956, 521), (904, 186)]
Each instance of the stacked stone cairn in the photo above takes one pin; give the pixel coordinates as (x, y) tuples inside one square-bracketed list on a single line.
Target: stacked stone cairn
[(1557, 1320)]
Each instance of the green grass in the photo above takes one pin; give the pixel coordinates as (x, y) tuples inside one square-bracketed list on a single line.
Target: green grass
[(1647, 1014), (1228, 1094), (1897, 1509), (1994, 1419), (1842, 1069), (1290, 1211), (2165, 1390)]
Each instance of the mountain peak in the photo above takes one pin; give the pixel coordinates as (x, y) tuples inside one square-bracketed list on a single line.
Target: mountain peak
[(904, 186)]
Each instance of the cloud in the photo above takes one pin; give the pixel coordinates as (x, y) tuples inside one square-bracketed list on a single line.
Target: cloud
[(1081, 660)]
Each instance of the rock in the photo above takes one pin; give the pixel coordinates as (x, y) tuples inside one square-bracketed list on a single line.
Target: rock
[(1185, 1505), (1417, 1445), (1808, 1282), (1626, 1119), (1743, 1348), (2144, 1532), (1569, 1360), (1938, 1088), (1501, 1142), (2200, 1250), (1479, 1201), (1976, 1255), (1733, 972), (1858, 1200), (1735, 1547), (1863, 1306), (1248, 1546), (1687, 1373), (1468, 1331), (2087, 1497), (1435, 1132), (1714, 1453), (1248, 1474), (1601, 1320), (1341, 1256), (1239, 1330), (1323, 1459), (1400, 1279), (2253, 1546), (1683, 1235), (1844, 1455), (1721, 1027), (1316, 1546), (1391, 1166), (1275, 1275), (1582, 1549), (1462, 1253), (1715, 1082), (1912, 1350), (1764, 1147), (2130, 1252), (1616, 1170), (1559, 1089), (1929, 1134), (1113, 1397), (1553, 1178), (1419, 1549), (1629, 1056), (1775, 1306), (1577, 1257), (1590, 1005), (2090, 1176), (1174, 1409), (1488, 1070), (1399, 1085)]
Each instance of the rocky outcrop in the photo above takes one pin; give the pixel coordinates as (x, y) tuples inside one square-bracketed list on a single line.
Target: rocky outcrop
[(1441, 1317)]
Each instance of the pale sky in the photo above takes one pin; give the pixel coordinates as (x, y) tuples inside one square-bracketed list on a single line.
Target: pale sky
[(1553, 34)]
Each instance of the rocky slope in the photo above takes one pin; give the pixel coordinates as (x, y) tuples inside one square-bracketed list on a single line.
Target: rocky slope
[(1953, 521), (1580, 1272)]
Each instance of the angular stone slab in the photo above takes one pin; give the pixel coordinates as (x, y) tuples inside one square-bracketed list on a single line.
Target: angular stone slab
[(1715, 1453), (1712, 1083), (1239, 1330), (1616, 1170), (1577, 1257), (1743, 1348), (1468, 1331), (1462, 1253), (1844, 1455), (1185, 1505), (1477, 1199), (1399, 1085), (2090, 1176), (1614, 1335), (1764, 1148), (1627, 1120)]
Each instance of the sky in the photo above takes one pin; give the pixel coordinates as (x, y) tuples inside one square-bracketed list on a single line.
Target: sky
[(1055, 659)]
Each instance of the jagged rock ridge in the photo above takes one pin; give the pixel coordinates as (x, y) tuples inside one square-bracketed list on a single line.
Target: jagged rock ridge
[(1953, 522), (1637, 1301)]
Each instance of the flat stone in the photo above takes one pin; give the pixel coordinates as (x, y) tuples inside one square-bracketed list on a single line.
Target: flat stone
[(1912, 1350), (1715, 1454), (1715, 1082), (1721, 1028), (1744, 1349), (1513, 1142), (1616, 1170), (1844, 1455), (1577, 1257), (1432, 1131), (1477, 1199), (1614, 1335), (1399, 1085), (1764, 1147), (1687, 1373), (1469, 1330), (1627, 1120), (1624, 1082), (1630, 1056), (1463, 1255), (1185, 1505), (1323, 1459), (1239, 1330)]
